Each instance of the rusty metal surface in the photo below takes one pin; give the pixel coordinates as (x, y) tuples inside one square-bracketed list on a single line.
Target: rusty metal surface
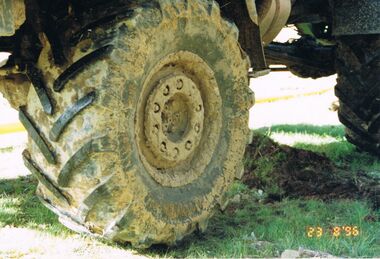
[(356, 17)]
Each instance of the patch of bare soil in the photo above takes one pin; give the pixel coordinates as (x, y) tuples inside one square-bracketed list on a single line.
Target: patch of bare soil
[(283, 171)]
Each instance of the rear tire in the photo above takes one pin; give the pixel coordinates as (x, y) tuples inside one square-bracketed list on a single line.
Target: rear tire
[(358, 90), (149, 124)]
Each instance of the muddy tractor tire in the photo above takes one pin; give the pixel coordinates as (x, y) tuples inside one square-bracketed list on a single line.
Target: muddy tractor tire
[(139, 135), (358, 90)]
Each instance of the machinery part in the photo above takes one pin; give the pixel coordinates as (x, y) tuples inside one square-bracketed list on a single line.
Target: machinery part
[(273, 15), (173, 123), (311, 72), (257, 51), (252, 10), (12, 14), (304, 57), (148, 134), (249, 32), (358, 90), (354, 17), (322, 32), (310, 12)]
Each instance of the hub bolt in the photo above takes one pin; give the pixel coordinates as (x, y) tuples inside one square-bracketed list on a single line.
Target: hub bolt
[(167, 90), (156, 128), (176, 152), (179, 84), (157, 107), (188, 145), (163, 147), (197, 128)]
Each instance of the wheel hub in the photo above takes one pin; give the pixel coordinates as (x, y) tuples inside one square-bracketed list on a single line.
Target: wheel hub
[(174, 118), (178, 119)]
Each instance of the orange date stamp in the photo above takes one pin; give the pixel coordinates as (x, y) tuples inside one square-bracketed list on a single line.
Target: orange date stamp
[(335, 231)]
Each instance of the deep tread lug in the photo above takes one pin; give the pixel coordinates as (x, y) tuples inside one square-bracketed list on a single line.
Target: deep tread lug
[(92, 199), (64, 120), (374, 126), (79, 66), (86, 31), (358, 90), (36, 78), (42, 178), (79, 157), (375, 149), (352, 127), (36, 135), (93, 146)]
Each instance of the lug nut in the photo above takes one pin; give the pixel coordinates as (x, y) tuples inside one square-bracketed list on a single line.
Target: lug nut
[(157, 107), (188, 145), (197, 128), (179, 84), (167, 90), (199, 108), (163, 147), (176, 152), (156, 128)]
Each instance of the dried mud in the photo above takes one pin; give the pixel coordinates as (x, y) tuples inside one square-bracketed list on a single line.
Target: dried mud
[(299, 173)]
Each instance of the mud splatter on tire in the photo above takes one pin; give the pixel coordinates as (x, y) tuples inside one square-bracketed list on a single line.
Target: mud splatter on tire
[(103, 171)]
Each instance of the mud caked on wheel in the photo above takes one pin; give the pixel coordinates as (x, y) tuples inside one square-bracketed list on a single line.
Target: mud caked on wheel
[(144, 129), (358, 90)]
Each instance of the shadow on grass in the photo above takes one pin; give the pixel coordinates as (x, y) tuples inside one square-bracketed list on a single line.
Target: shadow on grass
[(20, 207), (253, 229), (239, 231), (248, 227)]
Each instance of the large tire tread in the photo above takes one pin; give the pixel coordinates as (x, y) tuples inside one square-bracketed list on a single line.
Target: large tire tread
[(73, 184), (78, 66), (358, 90)]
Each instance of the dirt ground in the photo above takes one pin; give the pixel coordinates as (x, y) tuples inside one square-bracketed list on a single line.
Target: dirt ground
[(299, 173)]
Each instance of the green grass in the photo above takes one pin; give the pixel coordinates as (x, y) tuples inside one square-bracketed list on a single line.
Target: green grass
[(229, 234), (283, 225), (19, 207), (327, 140), (236, 232)]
